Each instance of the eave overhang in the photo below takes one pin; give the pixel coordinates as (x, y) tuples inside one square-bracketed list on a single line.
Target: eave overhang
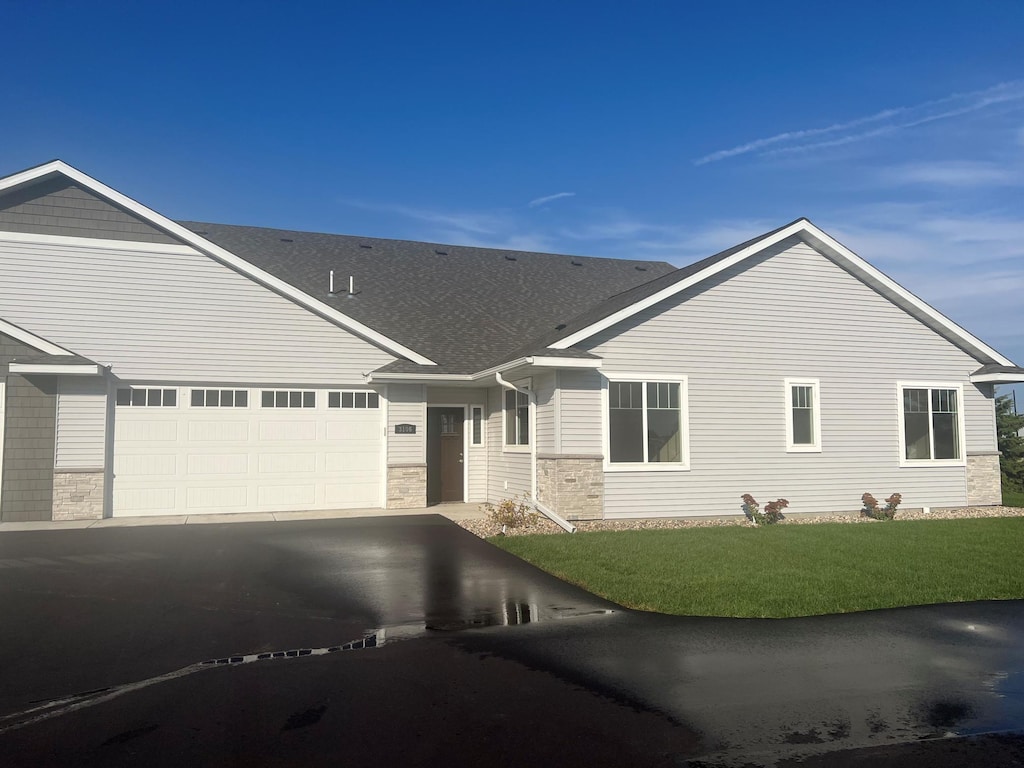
[(524, 365)]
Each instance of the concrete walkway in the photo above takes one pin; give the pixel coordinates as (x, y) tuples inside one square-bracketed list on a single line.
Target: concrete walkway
[(451, 511)]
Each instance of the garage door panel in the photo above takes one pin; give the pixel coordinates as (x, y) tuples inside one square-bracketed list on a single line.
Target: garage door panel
[(200, 459), (217, 497), (146, 465), (219, 431), (147, 501), (287, 463), (285, 496), (148, 431), (350, 495), (218, 464), (354, 430), (288, 430), (349, 461)]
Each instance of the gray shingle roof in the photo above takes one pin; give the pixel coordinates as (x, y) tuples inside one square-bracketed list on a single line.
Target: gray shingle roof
[(465, 308)]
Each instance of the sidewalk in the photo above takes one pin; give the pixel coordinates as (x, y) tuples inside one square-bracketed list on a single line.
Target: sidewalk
[(451, 511)]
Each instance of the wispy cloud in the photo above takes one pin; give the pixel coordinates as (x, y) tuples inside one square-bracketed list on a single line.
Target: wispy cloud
[(952, 173), (884, 122), (478, 223), (549, 198)]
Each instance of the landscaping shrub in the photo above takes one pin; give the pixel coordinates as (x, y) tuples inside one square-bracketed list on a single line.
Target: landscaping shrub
[(512, 513), (871, 508), (772, 510)]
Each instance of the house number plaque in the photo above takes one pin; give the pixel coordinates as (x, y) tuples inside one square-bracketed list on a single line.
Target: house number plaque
[(405, 429)]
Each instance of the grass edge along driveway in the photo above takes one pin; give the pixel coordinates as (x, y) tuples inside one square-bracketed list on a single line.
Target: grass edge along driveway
[(788, 570)]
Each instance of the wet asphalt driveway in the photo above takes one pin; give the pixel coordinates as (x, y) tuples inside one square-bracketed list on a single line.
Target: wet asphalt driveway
[(408, 641)]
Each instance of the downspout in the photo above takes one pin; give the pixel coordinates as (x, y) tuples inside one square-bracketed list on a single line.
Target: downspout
[(542, 508)]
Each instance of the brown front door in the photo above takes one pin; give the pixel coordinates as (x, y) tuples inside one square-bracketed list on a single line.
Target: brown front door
[(445, 459)]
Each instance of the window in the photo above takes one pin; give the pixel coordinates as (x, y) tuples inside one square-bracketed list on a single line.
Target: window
[(141, 396), (931, 427), (477, 426), (517, 418), (353, 400), (646, 423), (288, 399), (803, 416), (220, 398)]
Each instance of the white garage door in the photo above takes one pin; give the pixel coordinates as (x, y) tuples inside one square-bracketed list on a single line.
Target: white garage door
[(193, 451)]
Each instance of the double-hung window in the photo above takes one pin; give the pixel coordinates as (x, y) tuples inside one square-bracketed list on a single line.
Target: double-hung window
[(931, 424), (803, 416), (647, 424), (517, 418)]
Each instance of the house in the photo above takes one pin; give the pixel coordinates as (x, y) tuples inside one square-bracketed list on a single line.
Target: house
[(155, 367)]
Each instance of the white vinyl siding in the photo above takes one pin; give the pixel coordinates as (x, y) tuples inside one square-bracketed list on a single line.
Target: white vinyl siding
[(579, 400), (730, 341), (407, 405), (544, 387), (508, 473), (81, 423), (165, 313)]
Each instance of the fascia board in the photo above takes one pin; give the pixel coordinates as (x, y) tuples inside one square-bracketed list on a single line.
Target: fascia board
[(216, 252), (998, 378), (36, 342)]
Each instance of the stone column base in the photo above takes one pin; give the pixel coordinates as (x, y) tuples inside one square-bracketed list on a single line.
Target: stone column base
[(984, 483), (407, 486), (573, 486), (78, 494)]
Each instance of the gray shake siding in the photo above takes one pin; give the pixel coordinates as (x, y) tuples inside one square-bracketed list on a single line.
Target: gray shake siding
[(172, 314), (59, 207), (790, 312), (30, 412)]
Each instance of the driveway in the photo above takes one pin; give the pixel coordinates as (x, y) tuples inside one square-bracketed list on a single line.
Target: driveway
[(408, 640)]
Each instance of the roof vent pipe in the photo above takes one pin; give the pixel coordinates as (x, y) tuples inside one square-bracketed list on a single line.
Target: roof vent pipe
[(351, 286), (330, 291)]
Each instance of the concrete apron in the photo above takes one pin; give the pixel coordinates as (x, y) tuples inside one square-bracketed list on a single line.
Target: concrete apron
[(452, 511)]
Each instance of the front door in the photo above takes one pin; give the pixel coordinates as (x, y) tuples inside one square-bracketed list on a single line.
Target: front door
[(445, 454)]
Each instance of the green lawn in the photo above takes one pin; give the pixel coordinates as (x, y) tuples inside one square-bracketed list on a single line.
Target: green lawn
[(1013, 498), (792, 570)]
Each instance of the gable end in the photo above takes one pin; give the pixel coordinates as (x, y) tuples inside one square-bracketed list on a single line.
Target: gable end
[(58, 206)]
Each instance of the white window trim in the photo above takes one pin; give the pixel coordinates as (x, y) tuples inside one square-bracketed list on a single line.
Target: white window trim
[(684, 414), (531, 421), (815, 386), (483, 426), (902, 447)]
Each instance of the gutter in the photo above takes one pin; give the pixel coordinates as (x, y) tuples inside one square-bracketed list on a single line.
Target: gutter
[(544, 510)]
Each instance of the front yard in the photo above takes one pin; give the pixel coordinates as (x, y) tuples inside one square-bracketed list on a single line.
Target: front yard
[(788, 570)]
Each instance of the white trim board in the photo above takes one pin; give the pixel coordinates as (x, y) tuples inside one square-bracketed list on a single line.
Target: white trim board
[(214, 251), (828, 246), (36, 342)]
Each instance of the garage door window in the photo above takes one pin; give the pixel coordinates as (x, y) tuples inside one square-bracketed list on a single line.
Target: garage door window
[(147, 397), (220, 398), (353, 400), (288, 399)]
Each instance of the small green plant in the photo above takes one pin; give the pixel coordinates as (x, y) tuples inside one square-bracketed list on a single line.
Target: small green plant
[(511, 513), (873, 510), (772, 510)]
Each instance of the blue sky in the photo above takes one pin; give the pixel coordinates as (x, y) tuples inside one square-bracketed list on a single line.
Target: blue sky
[(653, 130)]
